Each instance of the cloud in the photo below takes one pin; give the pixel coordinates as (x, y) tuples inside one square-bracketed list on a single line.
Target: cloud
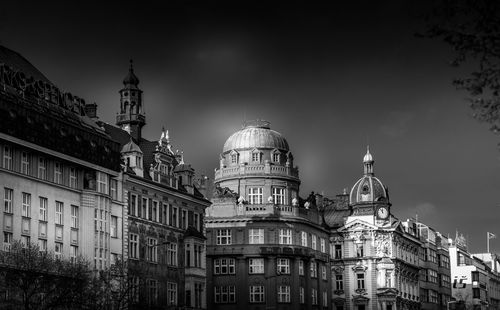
[(425, 210)]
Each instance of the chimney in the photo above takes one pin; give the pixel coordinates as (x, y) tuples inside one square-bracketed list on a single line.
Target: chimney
[(91, 110)]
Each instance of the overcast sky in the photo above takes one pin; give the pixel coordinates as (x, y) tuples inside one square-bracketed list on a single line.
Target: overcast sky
[(330, 79)]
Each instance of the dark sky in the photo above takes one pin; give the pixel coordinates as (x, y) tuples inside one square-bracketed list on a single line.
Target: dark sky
[(331, 79)]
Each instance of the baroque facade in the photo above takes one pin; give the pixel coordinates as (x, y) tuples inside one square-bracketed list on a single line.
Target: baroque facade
[(164, 239), (266, 247), (375, 261)]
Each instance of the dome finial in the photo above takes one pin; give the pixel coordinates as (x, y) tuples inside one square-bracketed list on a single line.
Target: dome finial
[(131, 78), (368, 162)]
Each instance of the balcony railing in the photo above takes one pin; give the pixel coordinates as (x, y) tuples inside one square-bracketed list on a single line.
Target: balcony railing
[(266, 169)]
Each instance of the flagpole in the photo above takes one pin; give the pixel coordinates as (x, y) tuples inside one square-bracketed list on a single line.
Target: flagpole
[(487, 242)]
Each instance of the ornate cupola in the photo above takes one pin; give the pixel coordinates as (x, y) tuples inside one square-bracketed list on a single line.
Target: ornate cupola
[(369, 196), (131, 117)]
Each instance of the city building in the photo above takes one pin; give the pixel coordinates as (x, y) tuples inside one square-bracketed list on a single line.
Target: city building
[(435, 277), (59, 171), (375, 257), (164, 239), (266, 247), (475, 277)]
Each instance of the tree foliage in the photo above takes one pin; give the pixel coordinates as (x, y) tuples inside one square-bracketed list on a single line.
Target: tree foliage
[(34, 279), (472, 29)]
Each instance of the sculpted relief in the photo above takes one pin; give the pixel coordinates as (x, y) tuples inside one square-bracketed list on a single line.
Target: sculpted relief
[(383, 245)]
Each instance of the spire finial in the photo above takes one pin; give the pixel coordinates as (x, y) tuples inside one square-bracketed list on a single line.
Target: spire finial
[(368, 162), (131, 64)]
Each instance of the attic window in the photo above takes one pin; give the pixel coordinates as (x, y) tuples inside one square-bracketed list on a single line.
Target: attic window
[(276, 157), (125, 93), (256, 157), (234, 158)]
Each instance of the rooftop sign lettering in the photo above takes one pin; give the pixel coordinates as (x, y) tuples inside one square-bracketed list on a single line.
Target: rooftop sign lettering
[(28, 86)]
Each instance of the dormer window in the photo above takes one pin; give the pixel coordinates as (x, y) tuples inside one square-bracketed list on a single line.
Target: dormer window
[(275, 155), (256, 156), (234, 157), (139, 162)]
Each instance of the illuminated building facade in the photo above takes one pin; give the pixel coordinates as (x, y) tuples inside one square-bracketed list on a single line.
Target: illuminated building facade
[(165, 244), (266, 247), (59, 171), (375, 262)]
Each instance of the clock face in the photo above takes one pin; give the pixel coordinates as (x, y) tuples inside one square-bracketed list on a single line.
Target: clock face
[(382, 212)]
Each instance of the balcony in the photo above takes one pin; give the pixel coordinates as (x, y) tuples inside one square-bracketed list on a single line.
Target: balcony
[(257, 170), (229, 209)]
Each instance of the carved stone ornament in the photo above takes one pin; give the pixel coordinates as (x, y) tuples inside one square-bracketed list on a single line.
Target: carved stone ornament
[(295, 202), (357, 236), (225, 192), (383, 245)]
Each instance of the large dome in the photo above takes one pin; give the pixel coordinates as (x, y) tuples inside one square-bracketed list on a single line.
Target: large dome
[(256, 134)]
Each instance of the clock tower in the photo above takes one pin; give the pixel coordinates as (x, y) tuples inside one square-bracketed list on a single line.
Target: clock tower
[(369, 198)]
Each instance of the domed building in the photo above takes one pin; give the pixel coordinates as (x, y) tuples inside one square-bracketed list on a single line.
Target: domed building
[(266, 247), (375, 263)]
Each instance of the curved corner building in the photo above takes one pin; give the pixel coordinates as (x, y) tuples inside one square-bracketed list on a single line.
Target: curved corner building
[(266, 247)]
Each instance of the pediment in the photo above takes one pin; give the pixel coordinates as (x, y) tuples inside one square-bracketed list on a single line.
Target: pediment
[(274, 151), (233, 152), (357, 225)]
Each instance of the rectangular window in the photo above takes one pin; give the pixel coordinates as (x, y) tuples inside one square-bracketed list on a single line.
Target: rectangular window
[(152, 250), (325, 299), (154, 215), (279, 195), (283, 266), (223, 236), (256, 157), (284, 293), (175, 217), (25, 241), (25, 225), (59, 213), (7, 157), (7, 241), (285, 236), (359, 249), (360, 277), (133, 205), (255, 195), (314, 269), (26, 207), (225, 294), (445, 280), (43, 209), (113, 189), (8, 193), (25, 163), (114, 226), (73, 252), (301, 267), (57, 173), (303, 238), (171, 294), (224, 266), (102, 182), (339, 282), (323, 272), (475, 276), (431, 256), (256, 236), (338, 251), (42, 168), (322, 245), (134, 246), (58, 249), (144, 208), (256, 265), (276, 157), (172, 254), (42, 229), (314, 296), (433, 296), (257, 293), (476, 292), (72, 178), (313, 242), (301, 295), (197, 221), (234, 158), (42, 245), (74, 217), (184, 219), (444, 261), (432, 276), (153, 292)]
